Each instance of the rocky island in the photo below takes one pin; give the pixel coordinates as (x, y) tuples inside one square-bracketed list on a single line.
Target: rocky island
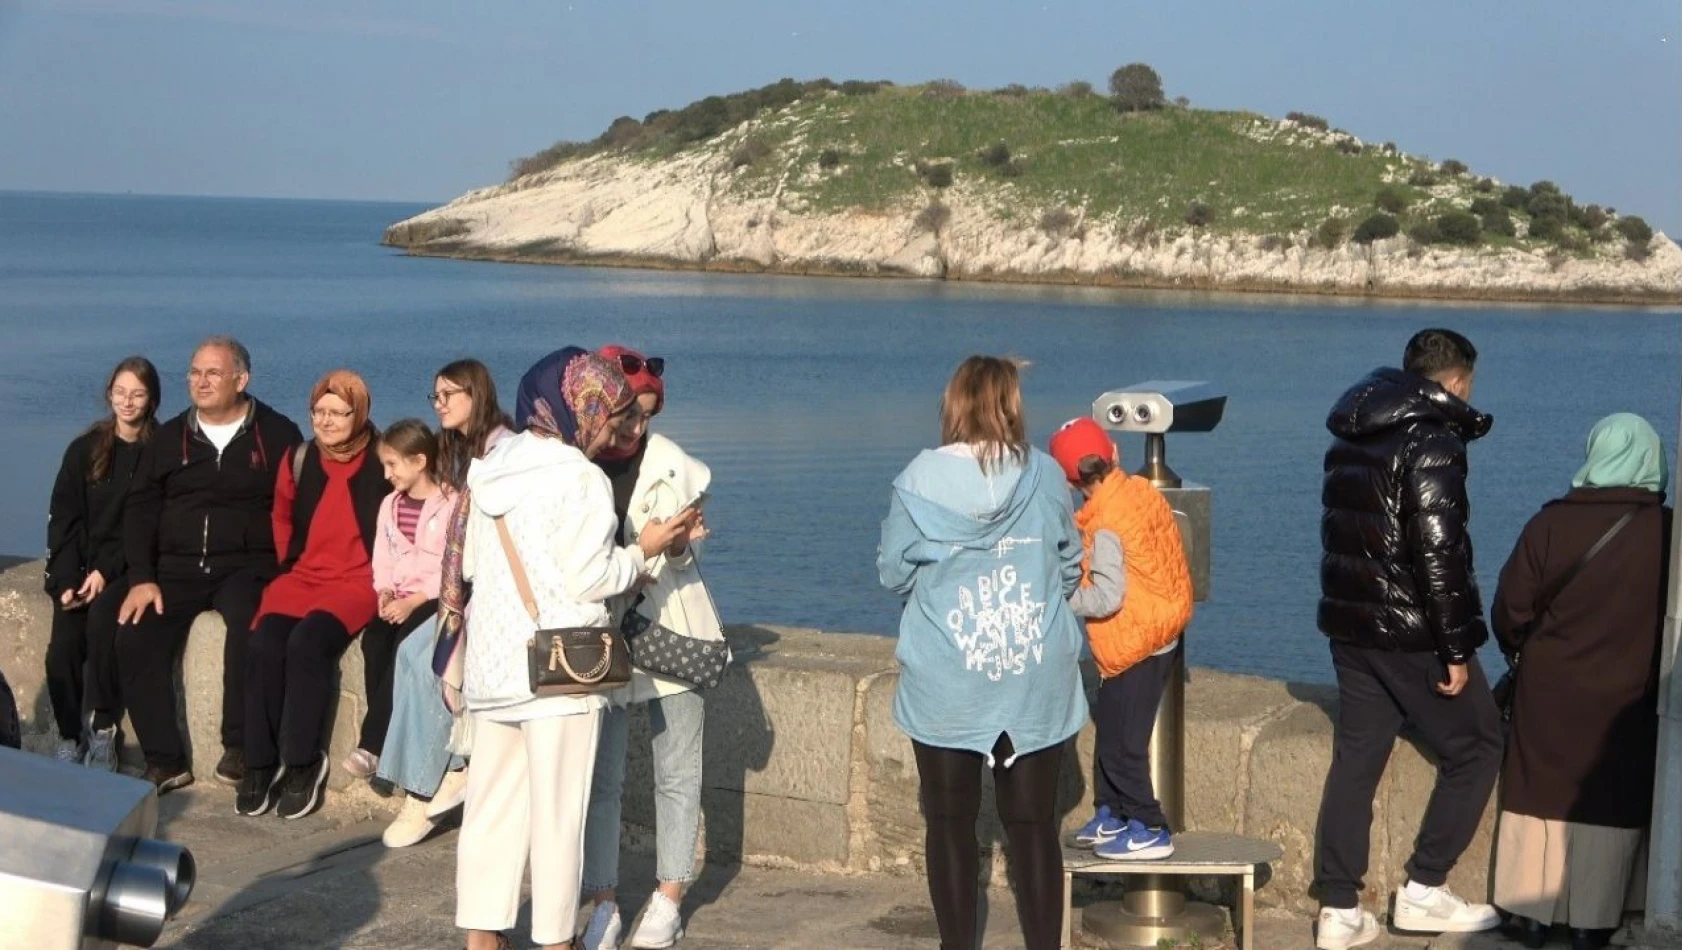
[(1038, 185)]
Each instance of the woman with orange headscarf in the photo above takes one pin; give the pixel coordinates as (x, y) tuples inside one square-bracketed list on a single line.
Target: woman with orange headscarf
[(326, 504)]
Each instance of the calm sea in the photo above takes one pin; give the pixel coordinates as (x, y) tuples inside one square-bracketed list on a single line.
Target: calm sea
[(806, 396)]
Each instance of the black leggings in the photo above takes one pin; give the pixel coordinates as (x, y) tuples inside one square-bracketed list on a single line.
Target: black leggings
[(291, 674), (1026, 794)]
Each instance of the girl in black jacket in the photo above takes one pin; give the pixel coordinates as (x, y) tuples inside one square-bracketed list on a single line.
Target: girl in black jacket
[(86, 567)]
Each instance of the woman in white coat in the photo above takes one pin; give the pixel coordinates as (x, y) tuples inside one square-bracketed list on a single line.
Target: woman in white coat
[(653, 482), (533, 756)]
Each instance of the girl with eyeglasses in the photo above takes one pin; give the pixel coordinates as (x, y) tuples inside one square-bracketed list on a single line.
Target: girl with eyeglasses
[(416, 757), (86, 568)]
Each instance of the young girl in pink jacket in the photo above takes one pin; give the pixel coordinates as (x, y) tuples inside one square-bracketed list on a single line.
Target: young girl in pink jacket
[(408, 563)]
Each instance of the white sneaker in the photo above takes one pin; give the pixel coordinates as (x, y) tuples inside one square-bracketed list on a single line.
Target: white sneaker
[(661, 925), (102, 749), (602, 933), (68, 751), (411, 826), (1442, 911), (1336, 932), (451, 793)]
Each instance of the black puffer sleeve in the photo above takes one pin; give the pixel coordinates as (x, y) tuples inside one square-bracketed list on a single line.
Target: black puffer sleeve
[(1435, 511)]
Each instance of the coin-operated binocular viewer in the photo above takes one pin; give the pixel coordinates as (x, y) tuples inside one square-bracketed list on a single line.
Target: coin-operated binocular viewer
[(1155, 905), (78, 867)]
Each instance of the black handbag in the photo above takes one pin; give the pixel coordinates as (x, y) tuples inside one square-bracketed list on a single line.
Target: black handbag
[(567, 661), (1505, 689), (660, 649)]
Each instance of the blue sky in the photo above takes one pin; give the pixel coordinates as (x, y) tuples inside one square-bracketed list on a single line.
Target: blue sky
[(422, 99)]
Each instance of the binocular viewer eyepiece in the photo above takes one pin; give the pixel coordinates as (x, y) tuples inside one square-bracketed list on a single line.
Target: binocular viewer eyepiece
[(1161, 406)]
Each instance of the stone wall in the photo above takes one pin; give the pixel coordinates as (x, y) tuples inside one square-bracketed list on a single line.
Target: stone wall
[(805, 767)]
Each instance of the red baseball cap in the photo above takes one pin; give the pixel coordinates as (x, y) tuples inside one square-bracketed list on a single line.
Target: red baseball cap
[(1078, 439)]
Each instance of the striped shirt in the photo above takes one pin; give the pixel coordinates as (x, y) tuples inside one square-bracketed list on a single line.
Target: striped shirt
[(408, 511)]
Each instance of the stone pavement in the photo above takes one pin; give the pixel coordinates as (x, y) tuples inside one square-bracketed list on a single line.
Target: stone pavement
[(327, 882)]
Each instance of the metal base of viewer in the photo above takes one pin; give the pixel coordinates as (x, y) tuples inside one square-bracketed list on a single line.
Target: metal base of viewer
[(1118, 923)]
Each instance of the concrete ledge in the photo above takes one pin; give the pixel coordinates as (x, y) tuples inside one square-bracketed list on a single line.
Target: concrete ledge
[(805, 767)]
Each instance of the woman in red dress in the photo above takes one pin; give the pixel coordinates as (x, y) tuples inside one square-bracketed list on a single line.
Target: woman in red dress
[(327, 500)]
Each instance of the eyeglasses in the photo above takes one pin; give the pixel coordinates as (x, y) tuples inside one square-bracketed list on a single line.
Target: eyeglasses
[(322, 415), (629, 420), (126, 396), (633, 365), (442, 397), (211, 376)]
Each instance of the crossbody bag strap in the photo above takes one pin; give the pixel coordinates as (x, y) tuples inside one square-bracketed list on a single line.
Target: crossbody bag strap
[(520, 582), (1582, 562)]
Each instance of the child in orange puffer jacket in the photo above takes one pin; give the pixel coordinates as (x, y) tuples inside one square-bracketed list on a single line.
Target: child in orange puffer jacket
[(1136, 595)]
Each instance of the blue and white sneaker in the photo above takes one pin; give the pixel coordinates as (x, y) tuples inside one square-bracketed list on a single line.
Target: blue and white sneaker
[(1138, 843), (1102, 829)]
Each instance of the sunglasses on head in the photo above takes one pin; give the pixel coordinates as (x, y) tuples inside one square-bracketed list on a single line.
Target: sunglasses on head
[(633, 364)]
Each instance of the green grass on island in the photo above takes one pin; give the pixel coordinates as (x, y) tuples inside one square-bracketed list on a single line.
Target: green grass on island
[(1058, 159)]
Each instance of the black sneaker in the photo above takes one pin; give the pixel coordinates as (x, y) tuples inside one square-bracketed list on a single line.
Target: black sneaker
[(231, 770), (258, 791), (301, 790), (167, 780)]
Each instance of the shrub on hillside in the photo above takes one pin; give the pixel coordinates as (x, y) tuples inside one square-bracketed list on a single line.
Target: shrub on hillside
[(748, 151), (1331, 233), (624, 131), (1546, 229), (1015, 90), (932, 218), (1452, 166), (1543, 187), (1637, 252), (1306, 119), (1485, 185), (1350, 147), (829, 158), (1376, 227), (1079, 89), (1459, 227), (944, 89), (1136, 88), (1515, 198), (1547, 204), (1199, 215), (1424, 232), (546, 159), (938, 176), (995, 155), (1182, 102), (1390, 148), (1483, 205), (859, 87), (1589, 217), (1498, 221), (1634, 230), (1013, 168), (1572, 242), (1391, 199), (1057, 221), (1274, 242), (1421, 178)]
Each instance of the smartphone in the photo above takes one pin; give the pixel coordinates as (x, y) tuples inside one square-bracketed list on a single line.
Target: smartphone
[(698, 502)]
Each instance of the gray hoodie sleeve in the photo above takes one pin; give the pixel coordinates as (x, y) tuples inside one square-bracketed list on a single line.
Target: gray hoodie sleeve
[(1108, 574)]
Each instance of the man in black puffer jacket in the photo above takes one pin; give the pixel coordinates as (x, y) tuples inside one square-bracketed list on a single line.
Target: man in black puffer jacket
[(1399, 600)]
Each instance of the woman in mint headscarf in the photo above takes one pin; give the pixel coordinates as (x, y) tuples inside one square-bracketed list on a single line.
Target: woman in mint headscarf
[(1577, 783)]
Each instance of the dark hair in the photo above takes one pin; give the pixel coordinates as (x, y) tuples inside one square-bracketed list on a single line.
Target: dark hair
[(457, 449), (1436, 351), (410, 437), (1093, 468), (105, 430), (982, 406)]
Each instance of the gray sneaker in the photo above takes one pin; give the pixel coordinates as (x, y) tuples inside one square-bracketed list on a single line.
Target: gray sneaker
[(103, 746), (68, 751)]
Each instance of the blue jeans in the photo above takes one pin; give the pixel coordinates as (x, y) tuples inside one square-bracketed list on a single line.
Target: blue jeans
[(678, 722), (415, 756)]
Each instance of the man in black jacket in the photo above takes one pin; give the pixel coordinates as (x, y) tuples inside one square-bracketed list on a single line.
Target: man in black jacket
[(198, 535), (1399, 600)]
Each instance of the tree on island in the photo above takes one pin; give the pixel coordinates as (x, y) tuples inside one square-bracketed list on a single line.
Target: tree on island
[(1136, 88)]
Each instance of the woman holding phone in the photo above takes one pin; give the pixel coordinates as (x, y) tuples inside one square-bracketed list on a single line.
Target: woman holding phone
[(653, 482)]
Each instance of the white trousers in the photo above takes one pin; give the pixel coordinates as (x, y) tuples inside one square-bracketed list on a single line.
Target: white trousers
[(527, 794)]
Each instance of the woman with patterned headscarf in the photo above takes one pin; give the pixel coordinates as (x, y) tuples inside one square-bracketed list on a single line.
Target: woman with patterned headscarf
[(1577, 782), (326, 505), (529, 786)]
